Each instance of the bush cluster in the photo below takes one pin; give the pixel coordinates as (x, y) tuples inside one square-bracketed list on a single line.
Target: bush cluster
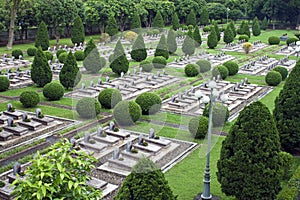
[(31, 51), (283, 71), (79, 55), (146, 65), (109, 97), (273, 78), (53, 91), (88, 107), (127, 112), (29, 99), (16, 53), (220, 114), (191, 70), (220, 70), (273, 40), (150, 103), (4, 83), (204, 65), (159, 62), (232, 67), (198, 127)]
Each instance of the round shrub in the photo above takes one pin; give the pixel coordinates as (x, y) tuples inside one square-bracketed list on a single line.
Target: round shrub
[(53, 91), (273, 40), (127, 112), (220, 70), (16, 53), (62, 57), (291, 40), (198, 127), (204, 65), (155, 31), (4, 83), (283, 71), (190, 27), (79, 55), (60, 51), (31, 51), (206, 29), (88, 107), (149, 102), (159, 62), (220, 114), (29, 99), (192, 70), (232, 67), (48, 55), (244, 37), (273, 78), (146, 65), (109, 97)]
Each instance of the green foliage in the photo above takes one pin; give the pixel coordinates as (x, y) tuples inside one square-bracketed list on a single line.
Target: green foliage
[(127, 113), (273, 40), (244, 37), (256, 27), (158, 21), (77, 35), (220, 70), (204, 65), (4, 83), (53, 91), (162, 48), (88, 107), (79, 55), (2, 184), (16, 53), (149, 102), (60, 51), (90, 46), (204, 17), (42, 37), (297, 35), (109, 97), (62, 57), (217, 30), (249, 165), (139, 52), (206, 29), (31, 51), (232, 67), (41, 73), (291, 40), (191, 70), (112, 27), (220, 114), (29, 99), (93, 62), (283, 71), (273, 78), (146, 181), (228, 35), (175, 21), (69, 75), (286, 162), (159, 62), (198, 127), (264, 24), (231, 25), (67, 166), (48, 55), (197, 37), (146, 65), (286, 112), (120, 63), (171, 42), (246, 29), (135, 23), (241, 30), (188, 46), (212, 39), (191, 18)]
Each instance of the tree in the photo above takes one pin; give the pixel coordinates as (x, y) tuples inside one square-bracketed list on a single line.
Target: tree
[(162, 48), (204, 17), (146, 181), (41, 73), (13, 7), (59, 174), (264, 24), (175, 21), (228, 35), (191, 18), (42, 37), (255, 27), (188, 46), (197, 37), (217, 11), (139, 52), (158, 21), (231, 24), (171, 41), (93, 62), (247, 29), (217, 30), (249, 165), (235, 14), (112, 28), (212, 40), (286, 112), (120, 63), (89, 47), (77, 31), (69, 76), (241, 29), (135, 23)]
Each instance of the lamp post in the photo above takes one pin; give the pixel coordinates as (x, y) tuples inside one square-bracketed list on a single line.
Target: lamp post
[(297, 49), (214, 95), (227, 9)]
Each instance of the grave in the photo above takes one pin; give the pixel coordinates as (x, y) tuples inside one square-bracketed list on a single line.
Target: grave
[(238, 47)]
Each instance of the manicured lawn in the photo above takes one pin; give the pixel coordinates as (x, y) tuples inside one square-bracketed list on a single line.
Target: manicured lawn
[(259, 80), (269, 99)]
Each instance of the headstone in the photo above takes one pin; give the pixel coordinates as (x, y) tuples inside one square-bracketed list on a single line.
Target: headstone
[(16, 169), (87, 137), (173, 98), (122, 74), (24, 117), (99, 81), (111, 126), (116, 153), (151, 133), (107, 78), (164, 72), (129, 146), (83, 86), (158, 74), (179, 95), (38, 112), (141, 139), (100, 131), (128, 73), (9, 107), (73, 142), (134, 71), (92, 84), (10, 122)]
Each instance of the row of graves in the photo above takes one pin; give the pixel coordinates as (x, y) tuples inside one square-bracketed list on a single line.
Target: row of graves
[(262, 65), (117, 151), (217, 59), (129, 84), (240, 94), (238, 47), (18, 78), (287, 50), (7, 63), (18, 126)]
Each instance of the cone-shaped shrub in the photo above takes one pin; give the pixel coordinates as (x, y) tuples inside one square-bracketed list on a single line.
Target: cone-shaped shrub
[(256, 27), (77, 31), (188, 46), (42, 37), (158, 21), (228, 35), (135, 23), (119, 63), (70, 75), (191, 18), (93, 62), (204, 17), (197, 37), (212, 39), (171, 41), (162, 48), (139, 51), (111, 28), (175, 21)]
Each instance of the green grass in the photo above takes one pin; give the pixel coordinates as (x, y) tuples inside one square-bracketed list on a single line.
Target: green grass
[(259, 80), (269, 99), (169, 118)]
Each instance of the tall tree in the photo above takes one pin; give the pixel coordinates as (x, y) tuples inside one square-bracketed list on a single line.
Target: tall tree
[(171, 41), (42, 37), (175, 21), (264, 24), (162, 47), (217, 30), (111, 28), (228, 35), (212, 39), (191, 18), (158, 21), (69, 76), (77, 31), (247, 29), (13, 7), (249, 166), (204, 17), (135, 23), (197, 37), (120, 63), (188, 46), (231, 24), (287, 111), (139, 52), (256, 27)]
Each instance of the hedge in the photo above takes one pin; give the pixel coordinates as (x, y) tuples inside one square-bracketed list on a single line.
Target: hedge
[(4, 83), (62, 57), (60, 51), (273, 40), (191, 70), (159, 62), (53, 91), (244, 37), (16, 53), (146, 65), (29, 99), (283, 71), (273, 78), (204, 65), (150, 103), (127, 112), (220, 70), (88, 107), (198, 127), (109, 97), (232, 67), (31, 51)]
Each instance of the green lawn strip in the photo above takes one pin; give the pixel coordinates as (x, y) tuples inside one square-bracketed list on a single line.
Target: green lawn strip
[(269, 99), (259, 80), (17, 92), (169, 118)]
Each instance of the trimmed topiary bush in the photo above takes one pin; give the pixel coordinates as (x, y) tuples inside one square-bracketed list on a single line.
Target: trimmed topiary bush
[(79, 55), (4, 83), (60, 51), (127, 112), (159, 62), (273, 40), (212, 39), (171, 42), (62, 57), (220, 70), (191, 70), (283, 71), (88, 107), (198, 127), (175, 21), (53, 91), (162, 48), (273, 78), (244, 37), (291, 40), (70, 75), (109, 97), (206, 29), (120, 63), (48, 55), (232, 67), (31, 51), (188, 46), (77, 35), (158, 21), (149, 102), (220, 114), (42, 37), (16, 53), (139, 52), (146, 65), (204, 65), (29, 99)]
